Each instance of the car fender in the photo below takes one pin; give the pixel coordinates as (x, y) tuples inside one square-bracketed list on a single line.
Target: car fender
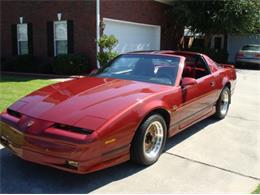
[(117, 133)]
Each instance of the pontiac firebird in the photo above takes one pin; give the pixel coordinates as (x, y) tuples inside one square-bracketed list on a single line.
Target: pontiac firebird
[(123, 111)]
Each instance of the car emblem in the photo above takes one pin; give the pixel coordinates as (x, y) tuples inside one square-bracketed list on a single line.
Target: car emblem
[(174, 107), (29, 123)]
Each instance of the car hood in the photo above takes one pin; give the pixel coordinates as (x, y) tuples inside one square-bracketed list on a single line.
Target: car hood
[(96, 99)]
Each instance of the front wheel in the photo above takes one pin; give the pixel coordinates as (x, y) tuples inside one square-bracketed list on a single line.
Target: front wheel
[(223, 102), (149, 140)]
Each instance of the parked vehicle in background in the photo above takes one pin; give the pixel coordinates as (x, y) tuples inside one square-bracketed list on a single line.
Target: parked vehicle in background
[(248, 54)]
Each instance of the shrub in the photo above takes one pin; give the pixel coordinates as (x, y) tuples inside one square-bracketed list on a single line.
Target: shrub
[(23, 63), (70, 64), (106, 44)]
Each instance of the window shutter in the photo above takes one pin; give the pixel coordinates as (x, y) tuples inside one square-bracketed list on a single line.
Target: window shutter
[(70, 36), (14, 39), (30, 38), (50, 38)]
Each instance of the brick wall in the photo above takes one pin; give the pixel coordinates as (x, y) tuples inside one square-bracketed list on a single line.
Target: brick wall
[(83, 14)]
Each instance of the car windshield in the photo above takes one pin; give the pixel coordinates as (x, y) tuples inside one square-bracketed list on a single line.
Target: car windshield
[(142, 67), (251, 47)]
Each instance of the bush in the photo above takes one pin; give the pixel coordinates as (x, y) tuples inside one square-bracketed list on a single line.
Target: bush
[(70, 64), (106, 44), (23, 63)]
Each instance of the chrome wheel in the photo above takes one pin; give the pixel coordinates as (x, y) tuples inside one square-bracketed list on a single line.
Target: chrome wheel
[(224, 102), (153, 140)]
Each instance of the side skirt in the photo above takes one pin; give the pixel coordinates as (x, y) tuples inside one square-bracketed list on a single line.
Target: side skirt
[(176, 127)]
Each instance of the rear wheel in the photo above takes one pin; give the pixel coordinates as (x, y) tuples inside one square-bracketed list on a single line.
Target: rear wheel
[(149, 140), (223, 102)]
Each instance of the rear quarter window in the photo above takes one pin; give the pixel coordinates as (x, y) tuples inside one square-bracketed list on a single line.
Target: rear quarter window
[(212, 65)]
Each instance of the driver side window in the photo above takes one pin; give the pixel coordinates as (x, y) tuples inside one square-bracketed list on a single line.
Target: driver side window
[(195, 67), (201, 69)]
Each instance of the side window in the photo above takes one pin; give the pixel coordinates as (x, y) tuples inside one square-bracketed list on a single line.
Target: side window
[(195, 67), (212, 65), (60, 38), (201, 68)]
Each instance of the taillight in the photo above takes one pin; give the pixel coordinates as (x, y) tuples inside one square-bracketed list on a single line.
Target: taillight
[(239, 55), (257, 55)]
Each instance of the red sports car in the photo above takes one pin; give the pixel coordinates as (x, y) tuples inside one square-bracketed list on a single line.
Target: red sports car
[(125, 110)]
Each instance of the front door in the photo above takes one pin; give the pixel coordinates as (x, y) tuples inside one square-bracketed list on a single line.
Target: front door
[(198, 99)]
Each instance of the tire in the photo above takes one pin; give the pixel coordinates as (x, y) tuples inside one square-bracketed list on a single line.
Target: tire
[(223, 103), (240, 65), (147, 146)]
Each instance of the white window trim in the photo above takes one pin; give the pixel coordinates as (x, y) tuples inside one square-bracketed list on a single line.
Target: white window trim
[(212, 45), (17, 37), (54, 39)]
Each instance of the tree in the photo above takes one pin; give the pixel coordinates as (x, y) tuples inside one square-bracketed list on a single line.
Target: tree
[(106, 44), (214, 17)]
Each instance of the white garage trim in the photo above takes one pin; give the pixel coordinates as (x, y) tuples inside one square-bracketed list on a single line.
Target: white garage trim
[(133, 36), (98, 27), (127, 22)]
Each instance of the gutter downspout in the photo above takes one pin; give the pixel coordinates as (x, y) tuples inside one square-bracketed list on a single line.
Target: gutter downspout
[(98, 26)]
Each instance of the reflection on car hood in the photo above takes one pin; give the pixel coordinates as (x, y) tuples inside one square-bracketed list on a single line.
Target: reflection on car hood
[(96, 98)]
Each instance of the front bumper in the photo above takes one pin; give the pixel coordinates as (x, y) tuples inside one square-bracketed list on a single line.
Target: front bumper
[(248, 60), (51, 152)]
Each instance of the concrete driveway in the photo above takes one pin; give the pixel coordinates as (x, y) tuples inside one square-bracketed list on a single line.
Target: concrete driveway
[(209, 157)]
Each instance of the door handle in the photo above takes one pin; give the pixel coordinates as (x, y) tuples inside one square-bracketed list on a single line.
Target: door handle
[(212, 83)]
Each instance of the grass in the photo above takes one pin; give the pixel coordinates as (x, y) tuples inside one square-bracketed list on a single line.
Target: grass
[(14, 87), (257, 190)]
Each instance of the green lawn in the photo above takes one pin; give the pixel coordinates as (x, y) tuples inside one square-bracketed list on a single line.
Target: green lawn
[(14, 87), (257, 190)]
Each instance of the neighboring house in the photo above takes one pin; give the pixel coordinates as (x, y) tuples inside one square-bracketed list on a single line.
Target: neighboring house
[(236, 42), (233, 42), (49, 28)]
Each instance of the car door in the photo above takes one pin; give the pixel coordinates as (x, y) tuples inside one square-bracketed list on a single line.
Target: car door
[(197, 99)]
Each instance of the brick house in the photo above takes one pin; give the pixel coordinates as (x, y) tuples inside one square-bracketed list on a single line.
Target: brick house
[(49, 28)]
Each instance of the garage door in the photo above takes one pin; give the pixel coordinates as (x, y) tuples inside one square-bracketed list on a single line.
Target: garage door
[(133, 36)]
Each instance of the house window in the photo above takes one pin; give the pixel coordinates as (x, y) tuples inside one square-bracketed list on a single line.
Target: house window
[(217, 42), (22, 39), (60, 37)]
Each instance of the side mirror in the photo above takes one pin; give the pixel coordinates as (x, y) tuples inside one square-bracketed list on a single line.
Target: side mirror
[(188, 81), (94, 71)]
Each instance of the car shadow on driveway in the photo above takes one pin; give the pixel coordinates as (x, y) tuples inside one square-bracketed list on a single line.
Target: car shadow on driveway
[(19, 176), (178, 138)]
